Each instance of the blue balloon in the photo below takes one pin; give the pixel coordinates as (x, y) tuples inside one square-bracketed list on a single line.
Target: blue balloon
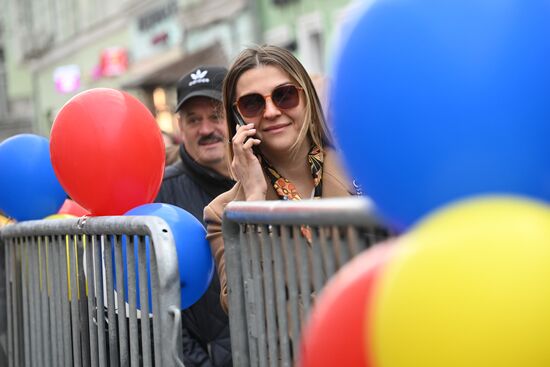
[(29, 188), (439, 100), (195, 262)]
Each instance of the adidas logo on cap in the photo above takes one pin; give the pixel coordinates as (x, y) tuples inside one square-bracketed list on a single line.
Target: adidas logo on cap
[(199, 77)]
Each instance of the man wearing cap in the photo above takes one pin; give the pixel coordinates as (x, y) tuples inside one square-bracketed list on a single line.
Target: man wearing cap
[(197, 178)]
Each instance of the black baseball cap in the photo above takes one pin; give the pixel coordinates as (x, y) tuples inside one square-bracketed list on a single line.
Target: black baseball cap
[(204, 81)]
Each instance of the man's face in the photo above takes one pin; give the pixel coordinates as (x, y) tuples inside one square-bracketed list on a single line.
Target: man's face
[(204, 130)]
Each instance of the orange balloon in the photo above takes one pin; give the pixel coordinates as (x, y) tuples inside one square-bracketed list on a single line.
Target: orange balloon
[(73, 208), (334, 335)]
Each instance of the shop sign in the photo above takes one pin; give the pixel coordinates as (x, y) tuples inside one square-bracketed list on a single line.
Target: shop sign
[(156, 31), (113, 61), (67, 78)]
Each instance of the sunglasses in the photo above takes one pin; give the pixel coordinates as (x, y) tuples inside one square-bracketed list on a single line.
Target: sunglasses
[(284, 97)]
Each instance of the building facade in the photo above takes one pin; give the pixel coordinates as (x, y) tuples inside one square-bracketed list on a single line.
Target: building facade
[(15, 104), (312, 29), (54, 49), (64, 47)]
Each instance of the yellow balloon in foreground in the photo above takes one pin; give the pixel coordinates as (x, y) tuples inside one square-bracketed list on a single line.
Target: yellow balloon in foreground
[(469, 287)]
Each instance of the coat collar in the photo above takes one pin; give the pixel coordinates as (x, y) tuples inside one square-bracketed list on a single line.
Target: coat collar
[(210, 180)]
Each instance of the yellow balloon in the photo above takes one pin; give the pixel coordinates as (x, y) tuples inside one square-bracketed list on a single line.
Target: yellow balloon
[(468, 287), (4, 220), (60, 216)]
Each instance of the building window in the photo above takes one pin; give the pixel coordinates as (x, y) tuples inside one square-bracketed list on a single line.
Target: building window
[(311, 43)]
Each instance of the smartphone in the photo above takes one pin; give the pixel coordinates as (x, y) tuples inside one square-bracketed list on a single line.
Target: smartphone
[(241, 122), (238, 117)]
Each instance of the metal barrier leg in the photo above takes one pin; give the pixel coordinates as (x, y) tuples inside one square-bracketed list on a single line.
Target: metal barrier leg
[(255, 256), (63, 253), (281, 296), (144, 301), (237, 315), (44, 304), (266, 256), (5, 308)]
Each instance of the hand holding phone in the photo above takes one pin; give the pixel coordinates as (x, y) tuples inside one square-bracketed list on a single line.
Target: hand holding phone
[(246, 167), (241, 122)]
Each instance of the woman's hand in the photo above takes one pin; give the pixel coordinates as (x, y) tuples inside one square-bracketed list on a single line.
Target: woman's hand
[(245, 165)]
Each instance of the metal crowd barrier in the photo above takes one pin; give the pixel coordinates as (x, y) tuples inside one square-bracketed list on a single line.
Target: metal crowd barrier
[(62, 306), (279, 255)]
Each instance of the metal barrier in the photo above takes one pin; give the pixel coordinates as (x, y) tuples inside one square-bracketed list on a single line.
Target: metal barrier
[(62, 304), (279, 255)]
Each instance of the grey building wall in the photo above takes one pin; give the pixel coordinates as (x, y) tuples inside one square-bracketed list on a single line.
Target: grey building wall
[(14, 114)]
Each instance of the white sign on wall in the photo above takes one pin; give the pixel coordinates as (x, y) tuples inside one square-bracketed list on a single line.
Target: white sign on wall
[(156, 30)]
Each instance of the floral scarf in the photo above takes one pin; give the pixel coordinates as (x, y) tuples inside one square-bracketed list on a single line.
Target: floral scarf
[(287, 191)]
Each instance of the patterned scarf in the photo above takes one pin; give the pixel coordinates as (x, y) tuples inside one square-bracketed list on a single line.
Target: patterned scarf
[(287, 191)]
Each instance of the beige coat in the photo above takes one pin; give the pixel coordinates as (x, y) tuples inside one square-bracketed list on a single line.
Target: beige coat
[(335, 184)]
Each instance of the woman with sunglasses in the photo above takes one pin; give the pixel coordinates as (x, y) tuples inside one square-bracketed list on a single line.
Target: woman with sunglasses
[(281, 147)]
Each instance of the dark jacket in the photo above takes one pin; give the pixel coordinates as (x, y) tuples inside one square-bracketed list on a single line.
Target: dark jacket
[(206, 340)]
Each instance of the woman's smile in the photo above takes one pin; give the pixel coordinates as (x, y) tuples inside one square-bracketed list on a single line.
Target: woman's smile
[(276, 128)]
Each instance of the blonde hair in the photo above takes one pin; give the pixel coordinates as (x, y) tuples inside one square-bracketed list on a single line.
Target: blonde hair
[(314, 126)]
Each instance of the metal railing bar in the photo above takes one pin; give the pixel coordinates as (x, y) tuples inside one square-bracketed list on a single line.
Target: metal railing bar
[(317, 260), (36, 328), (353, 240), (144, 301), (99, 247), (131, 269), (82, 301), (280, 297), (303, 272), (121, 305), (269, 293), (115, 225), (65, 300), (259, 294), (21, 302), (91, 297), (237, 313), (75, 314), (11, 304), (250, 298), (337, 211), (44, 300), (55, 304), (341, 250), (111, 317), (327, 253), (155, 286), (289, 253)]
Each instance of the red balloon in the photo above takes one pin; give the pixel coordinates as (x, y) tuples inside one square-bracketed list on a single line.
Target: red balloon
[(335, 332), (107, 151)]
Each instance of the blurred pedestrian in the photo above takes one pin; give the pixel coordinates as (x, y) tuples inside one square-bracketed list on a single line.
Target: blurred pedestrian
[(201, 174), (171, 148)]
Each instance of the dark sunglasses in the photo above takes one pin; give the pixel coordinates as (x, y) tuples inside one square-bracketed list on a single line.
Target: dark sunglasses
[(285, 97)]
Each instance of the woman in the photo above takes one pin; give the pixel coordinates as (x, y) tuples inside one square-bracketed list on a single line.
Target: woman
[(281, 147)]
